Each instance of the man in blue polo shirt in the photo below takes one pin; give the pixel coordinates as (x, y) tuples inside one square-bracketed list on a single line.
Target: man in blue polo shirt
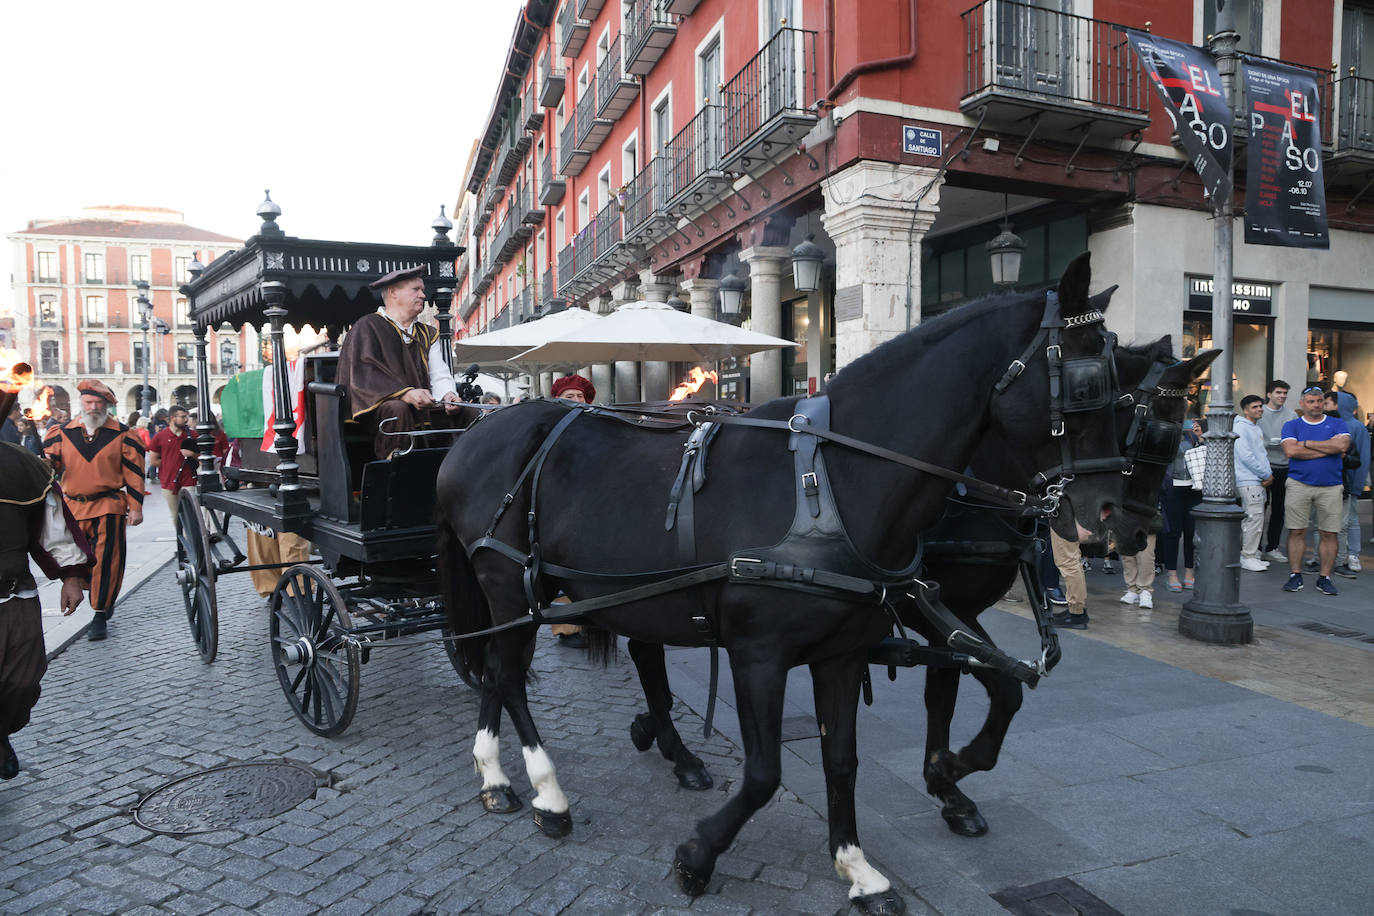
[(1314, 444)]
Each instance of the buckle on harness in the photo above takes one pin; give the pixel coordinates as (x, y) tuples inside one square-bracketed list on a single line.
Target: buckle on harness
[(810, 486), (739, 573)]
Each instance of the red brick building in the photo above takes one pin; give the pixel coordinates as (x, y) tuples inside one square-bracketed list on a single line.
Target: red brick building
[(650, 148), (76, 313)]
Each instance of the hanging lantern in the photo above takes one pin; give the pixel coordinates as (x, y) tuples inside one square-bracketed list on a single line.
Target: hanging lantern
[(731, 296), (1005, 250), (807, 259)]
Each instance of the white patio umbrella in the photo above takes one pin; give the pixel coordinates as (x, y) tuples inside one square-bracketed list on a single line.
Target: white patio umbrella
[(651, 331), (497, 346)]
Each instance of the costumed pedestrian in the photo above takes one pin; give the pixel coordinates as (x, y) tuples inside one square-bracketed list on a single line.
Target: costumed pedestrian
[(174, 455), (99, 462), (392, 365), (33, 523), (580, 389)]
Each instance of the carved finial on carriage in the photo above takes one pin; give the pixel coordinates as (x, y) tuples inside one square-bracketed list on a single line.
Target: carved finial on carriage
[(269, 211), (441, 226)]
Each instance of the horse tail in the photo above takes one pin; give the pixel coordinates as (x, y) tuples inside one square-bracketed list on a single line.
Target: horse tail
[(464, 601), (601, 645)]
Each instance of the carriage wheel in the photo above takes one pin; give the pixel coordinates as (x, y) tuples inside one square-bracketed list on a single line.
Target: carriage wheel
[(455, 658), (316, 661), (196, 575)]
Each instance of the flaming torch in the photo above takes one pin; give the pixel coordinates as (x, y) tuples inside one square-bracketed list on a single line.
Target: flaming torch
[(695, 379), (14, 375)]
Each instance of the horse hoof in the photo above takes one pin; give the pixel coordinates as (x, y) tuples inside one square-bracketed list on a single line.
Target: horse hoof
[(694, 776), (692, 879), (642, 731), (554, 824), (501, 800), (965, 823), (887, 903)]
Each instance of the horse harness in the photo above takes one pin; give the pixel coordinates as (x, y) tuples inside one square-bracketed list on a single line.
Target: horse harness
[(816, 556)]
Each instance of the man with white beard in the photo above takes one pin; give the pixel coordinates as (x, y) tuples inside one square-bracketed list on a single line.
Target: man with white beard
[(99, 462)]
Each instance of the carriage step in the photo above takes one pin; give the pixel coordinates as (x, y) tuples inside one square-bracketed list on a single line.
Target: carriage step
[(895, 652)]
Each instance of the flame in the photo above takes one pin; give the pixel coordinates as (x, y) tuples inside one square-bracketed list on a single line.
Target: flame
[(14, 372), (40, 409), (695, 379)]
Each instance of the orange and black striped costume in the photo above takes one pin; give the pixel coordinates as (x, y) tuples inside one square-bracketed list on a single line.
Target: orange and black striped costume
[(102, 478)]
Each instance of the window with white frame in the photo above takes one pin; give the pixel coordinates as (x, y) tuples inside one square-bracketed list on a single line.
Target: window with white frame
[(185, 358), (710, 71), (93, 268), (228, 356), (138, 356), (629, 160), (584, 206), (95, 356), (183, 313), (138, 268), (181, 270), (49, 316), (47, 267), (662, 123), (603, 188), (95, 311), (560, 231), (1249, 23), (50, 356)]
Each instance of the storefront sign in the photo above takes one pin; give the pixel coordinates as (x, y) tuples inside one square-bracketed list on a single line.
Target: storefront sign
[(1187, 80), (1246, 298), (1285, 202), (922, 141)]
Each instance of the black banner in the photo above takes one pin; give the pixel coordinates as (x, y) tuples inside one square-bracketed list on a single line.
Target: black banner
[(1285, 203), (1187, 79)]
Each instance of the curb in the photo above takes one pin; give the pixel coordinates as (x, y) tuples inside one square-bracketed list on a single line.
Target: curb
[(80, 630)]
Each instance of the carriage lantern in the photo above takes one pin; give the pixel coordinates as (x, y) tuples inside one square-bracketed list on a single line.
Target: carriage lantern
[(1005, 250), (731, 297), (806, 266)]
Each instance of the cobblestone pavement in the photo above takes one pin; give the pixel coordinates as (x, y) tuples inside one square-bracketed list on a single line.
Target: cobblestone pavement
[(1158, 789), (399, 829)]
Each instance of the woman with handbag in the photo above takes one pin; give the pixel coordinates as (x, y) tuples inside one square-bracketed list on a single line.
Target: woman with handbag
[(1181, 494)]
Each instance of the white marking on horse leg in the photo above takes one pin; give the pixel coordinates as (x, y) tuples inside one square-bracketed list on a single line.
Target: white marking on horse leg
[(548, 795), (863, 878), (486, 760)]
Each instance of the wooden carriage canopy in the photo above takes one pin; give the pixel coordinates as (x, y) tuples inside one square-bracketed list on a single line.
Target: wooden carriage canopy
[(276, 279)]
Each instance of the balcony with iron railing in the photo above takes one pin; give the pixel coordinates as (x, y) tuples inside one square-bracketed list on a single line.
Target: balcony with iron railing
[(514, 145), (614, 89), (530, 210), (590, 9), (521, 207), (572, 30), (551, 187), (460, 270), (549, 300), (695, 177), (1349, 117), (608, 249), (584, 251), (646, 202), (551, 83), (681, 7), (566, 260), (649, 29), (1046, 69), (524, 305), (534, 113), (768, 102), (591, 130), (571, 159)]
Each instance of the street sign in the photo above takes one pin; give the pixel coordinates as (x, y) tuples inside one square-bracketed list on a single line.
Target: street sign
[(922, 141)]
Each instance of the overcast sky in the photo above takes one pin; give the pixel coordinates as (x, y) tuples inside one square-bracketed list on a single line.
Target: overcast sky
[(358, 115)]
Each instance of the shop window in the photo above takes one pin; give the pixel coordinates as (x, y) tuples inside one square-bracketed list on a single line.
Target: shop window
[(1342, 358)]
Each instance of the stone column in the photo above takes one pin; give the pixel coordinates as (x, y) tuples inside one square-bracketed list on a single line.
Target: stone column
[(765, 316), (869, 216), (624, 373), (701, 293), (656, 382)]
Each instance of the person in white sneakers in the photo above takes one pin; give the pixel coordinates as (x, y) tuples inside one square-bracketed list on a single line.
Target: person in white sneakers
[(1139, 573), (1252, 477)]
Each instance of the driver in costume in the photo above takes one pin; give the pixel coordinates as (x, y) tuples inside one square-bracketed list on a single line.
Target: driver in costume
[(392, 365), (33, 522)]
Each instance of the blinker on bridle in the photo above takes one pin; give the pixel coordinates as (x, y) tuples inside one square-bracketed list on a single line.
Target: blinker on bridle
[(1090, 383)]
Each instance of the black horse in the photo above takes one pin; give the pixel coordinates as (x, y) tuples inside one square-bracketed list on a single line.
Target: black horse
[(974, 553), (590, 495)]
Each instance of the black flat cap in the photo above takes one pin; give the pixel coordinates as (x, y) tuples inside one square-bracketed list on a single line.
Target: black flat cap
[(396, 276)]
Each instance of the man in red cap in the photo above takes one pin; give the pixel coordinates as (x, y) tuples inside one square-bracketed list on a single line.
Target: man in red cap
[(574, 388), (393, 365), (100, 463)]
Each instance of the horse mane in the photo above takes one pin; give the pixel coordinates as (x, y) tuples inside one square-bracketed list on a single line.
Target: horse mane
[(911, 344)]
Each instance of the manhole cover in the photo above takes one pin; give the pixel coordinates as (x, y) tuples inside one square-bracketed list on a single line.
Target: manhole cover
[(228, 795)]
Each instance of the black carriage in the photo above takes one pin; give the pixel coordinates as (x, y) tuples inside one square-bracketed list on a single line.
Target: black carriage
[(370, 522)]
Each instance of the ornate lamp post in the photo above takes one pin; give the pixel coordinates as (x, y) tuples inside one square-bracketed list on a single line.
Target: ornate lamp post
[(145, 311)]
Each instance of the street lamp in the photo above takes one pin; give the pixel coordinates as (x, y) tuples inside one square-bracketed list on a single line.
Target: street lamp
[(145, 311), (806, 266), (731, 297), (1005, 250)]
